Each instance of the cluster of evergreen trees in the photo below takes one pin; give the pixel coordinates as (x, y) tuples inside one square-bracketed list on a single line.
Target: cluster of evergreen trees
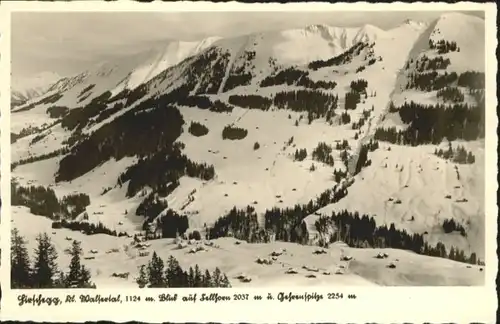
[(472, 79), (42, 271), (156, 275), (345, 118), (342, 145), (293, 76), (170, 224), (431, 124), (363, 160), (196, 75), (138, 132), (86, 228), (162, 170), (198, 129), (316, 103), (450, 94), (221, 107), (85, 90), (449, 225), (459, 155), (151, 206), (322, 153), (359, 85), (444, 46), (362, 119), (352, 98), (203, 102), (289, 76), (57, 111), (80, 117), (173, 224), (250, 101), (362, 232), (284, 223), (426, 63), (234, 133), (430, 81), (44, 202), (300, 154), (338, 175), (344, 58), (241, 224)]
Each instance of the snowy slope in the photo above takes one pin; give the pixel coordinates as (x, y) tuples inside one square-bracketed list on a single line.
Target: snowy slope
[(269, 177)]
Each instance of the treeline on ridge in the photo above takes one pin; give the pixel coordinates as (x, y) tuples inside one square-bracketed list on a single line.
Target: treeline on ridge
[(292, 76), (44, 202), (86, 227), (459, 155), (433, 80), (361, 231), (316, 103), (157, 274), (344, 58), (431, 124)]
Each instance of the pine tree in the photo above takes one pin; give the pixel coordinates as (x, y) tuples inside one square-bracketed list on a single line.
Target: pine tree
[(142, 281), (198, 280), (217, 277), (155, 272), (74, 276), (19, 261), (173, 273), (225, 282), (191, 277), (207, 279), (84, 281), (60, 282), (44, 265), (451, 254), (473, 258)]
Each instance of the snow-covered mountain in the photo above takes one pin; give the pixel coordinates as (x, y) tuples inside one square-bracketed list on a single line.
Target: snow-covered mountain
[(308, 136), (25, 89)]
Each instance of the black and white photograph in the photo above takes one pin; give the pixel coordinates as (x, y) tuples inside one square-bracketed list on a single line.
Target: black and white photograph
[(248, 149)]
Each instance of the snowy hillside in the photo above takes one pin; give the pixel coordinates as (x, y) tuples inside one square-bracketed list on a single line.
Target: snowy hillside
[(368, 136)]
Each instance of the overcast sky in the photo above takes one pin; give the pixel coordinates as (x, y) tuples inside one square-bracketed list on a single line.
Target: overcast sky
[(67, 43)]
